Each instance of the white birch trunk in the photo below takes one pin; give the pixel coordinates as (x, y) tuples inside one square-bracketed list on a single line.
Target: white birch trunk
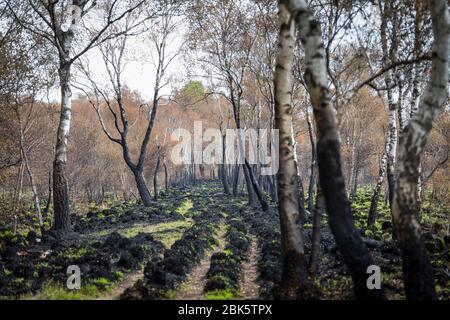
[(293, 254), (65, 32)]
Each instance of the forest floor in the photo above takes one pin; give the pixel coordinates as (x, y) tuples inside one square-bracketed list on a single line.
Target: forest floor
[(197, 243)]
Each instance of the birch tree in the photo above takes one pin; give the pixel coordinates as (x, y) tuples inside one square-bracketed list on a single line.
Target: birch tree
[(59, 23), (331, 179), (389, 56), (294, 266), (372, 216), (312, 174), (114, 54), (417, 270)]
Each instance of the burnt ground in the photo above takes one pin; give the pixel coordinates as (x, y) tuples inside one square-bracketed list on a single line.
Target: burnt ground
[(197, 243)]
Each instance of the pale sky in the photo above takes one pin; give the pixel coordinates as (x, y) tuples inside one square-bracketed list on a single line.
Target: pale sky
[(139, 72)]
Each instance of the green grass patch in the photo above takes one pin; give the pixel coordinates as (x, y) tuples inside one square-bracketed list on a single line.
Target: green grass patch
[(221, 295), (74, 253), (119, 275), (166, 232), (54, 292), (184, 207)]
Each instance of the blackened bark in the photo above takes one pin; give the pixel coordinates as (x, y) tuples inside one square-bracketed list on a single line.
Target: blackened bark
[(253, 189), (391, 181), (256, 188), (312, 175), (315, 241), (354, 252), (155, 174), (350, 243), (301, 198), (301, 191), (222, 168), (141, 185), (373, 213), (250, 191), (236, 170), (60, 197), (49, 195), (274, 187), (417, 270), (223, 178), (166, 176), (18, 187), (355, 183)]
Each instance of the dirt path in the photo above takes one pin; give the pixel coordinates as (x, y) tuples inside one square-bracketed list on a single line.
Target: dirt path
[(128, 281), (249, 283), (192, 288)]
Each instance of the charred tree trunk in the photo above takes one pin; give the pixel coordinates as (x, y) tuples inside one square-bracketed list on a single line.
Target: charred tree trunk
[(166, 176), (417, 270), (141, 185), (223, 179), (376, 193), (301, 191), (250, 191), (354, 189), (349, 241), (155, 174), (236, 170), (352, 167), (315, 241), (312, 175), (274, 187), (49, 195), (222, 168), (18, 188), (60, 197), (256, 188), (253, 189)]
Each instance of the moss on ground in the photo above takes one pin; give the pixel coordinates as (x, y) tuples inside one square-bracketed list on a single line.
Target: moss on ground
[(221, 295), (93, 290), (167, 232), (185, 206)]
